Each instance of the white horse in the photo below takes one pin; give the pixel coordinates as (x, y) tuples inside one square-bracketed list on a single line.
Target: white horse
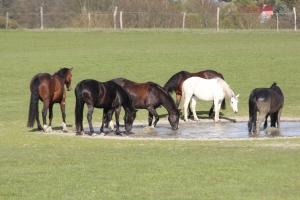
[(215, 89)]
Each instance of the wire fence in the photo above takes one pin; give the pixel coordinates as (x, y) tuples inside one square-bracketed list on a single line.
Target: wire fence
[(120, 20)]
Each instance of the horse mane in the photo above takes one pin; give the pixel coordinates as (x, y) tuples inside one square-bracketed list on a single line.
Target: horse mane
[(227, 90), (62, 72), (172, 82)]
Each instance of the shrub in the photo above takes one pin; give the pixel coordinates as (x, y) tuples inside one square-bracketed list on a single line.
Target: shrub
[(12, 24)]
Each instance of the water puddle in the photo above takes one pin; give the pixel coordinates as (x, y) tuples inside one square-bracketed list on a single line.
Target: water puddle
[(210, 130)]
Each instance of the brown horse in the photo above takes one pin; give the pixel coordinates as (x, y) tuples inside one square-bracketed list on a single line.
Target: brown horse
[(266, 101), (49, 89), (150, 96), (175, 84)]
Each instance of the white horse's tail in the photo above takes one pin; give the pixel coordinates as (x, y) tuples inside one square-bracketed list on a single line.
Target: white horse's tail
[(183, 100)]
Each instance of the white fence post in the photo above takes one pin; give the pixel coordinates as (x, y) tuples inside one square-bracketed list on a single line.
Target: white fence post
[(277, 22), (6, 25), (89, 18), (218, 17), (295, 18), (183, 21), (42, 20), (121, 20), (115, 14)]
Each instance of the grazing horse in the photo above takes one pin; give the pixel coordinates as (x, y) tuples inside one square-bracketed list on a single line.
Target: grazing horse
[(150, 96), (49, 89), (107, 95), (267, 101), (207, 89), (175, 84)]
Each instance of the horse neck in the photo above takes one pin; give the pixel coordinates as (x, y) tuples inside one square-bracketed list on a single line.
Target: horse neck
[(59, 79), (226, 89), (168, 103)]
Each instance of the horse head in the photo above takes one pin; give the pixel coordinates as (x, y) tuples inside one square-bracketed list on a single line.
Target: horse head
[(129, 118), (68, 79), (234, 103), (174, 119)]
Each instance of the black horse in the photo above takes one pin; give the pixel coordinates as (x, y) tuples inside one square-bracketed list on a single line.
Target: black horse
[(107, 95), (267, 101), (150, 96)]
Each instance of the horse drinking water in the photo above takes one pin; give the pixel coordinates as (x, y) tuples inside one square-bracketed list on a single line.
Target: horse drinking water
[(175, 84), (150, 96), (207, 89), (267, 101), (49, 89), (107, 95)]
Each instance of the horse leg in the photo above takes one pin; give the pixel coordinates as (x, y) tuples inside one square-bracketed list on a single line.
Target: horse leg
[(211, 110), (278, 117), (266, 122), (178, 98), (259, 121), (44, 115), (89, 118), (50, 117), (153, 112), (194, 101), (38, 122), (117, 114), (150, 118), (185, 106), (217, 104), (63, 114)]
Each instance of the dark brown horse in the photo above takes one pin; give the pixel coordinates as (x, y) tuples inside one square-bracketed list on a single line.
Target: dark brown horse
[(266, 101), (175, 84), (50, 90), (107, 95), (151, 96)]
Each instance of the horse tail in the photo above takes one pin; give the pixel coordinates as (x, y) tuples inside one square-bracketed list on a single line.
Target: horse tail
[(171, 84), (78, 107), (223, 105), (34, 103), (252, 106)]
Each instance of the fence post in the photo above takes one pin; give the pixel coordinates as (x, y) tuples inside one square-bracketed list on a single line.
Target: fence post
[(89, 23), (277, 22), (218, 14), (42, 20), (295, 18), (183, 21), (121, 20), (115, 14), (6, 25)]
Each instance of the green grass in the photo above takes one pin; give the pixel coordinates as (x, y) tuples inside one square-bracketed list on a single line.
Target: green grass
[(41, 166)]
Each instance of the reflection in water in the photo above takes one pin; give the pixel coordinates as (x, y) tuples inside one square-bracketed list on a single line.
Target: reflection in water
[(215, 130)]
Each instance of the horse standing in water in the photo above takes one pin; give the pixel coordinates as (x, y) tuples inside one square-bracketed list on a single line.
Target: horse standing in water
[(150, 96), (267, 101), (175, 84), (207, 89), (49, 89), (107, 95)]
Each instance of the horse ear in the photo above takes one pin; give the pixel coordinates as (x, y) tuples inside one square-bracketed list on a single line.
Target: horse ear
[(71, 69), (237, 95)]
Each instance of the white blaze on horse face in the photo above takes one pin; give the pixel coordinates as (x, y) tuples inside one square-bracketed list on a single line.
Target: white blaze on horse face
[(234, 103)]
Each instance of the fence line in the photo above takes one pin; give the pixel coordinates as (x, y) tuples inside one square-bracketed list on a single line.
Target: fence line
[(153, 20)]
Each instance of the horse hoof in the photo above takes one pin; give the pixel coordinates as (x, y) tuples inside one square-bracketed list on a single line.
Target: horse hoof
[(49, 129), (94, 135), (102, 134), (65, 131), (82, 133)]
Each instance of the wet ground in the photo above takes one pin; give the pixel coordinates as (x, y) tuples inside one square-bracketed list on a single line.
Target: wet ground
[(198, 130)]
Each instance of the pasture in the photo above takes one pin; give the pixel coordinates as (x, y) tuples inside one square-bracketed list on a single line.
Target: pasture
[(35, 165)]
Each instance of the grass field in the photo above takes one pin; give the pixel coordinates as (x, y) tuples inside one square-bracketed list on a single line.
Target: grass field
[(40, 166)]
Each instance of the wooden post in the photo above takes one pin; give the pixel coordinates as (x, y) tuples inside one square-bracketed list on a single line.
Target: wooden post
[(6, 25), (277, 23), (121, 20), (218, 17), (295, 18), (42, 20), (183, 21), (89, 19), (115, 15)]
